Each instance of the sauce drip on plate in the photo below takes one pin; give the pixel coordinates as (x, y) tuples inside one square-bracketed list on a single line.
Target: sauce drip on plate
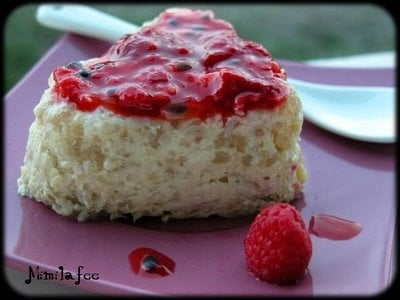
[(149, 261)]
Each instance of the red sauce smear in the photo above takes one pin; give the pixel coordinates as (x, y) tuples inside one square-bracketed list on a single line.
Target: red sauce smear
[(333, 228), (145, 261), (186, 65)]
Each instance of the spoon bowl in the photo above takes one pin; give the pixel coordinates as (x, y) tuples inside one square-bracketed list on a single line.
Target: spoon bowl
[(361, 113)]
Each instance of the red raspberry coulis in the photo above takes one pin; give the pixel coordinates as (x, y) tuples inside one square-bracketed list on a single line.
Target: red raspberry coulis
[(145, 261), (185, 65)]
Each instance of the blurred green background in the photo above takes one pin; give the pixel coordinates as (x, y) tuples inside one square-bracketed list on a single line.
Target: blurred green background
[(288, 31)]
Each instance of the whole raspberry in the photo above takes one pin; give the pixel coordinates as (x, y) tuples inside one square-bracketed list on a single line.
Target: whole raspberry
[(278, 246)]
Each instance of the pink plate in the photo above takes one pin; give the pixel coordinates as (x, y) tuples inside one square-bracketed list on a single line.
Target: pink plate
[(349, 179)]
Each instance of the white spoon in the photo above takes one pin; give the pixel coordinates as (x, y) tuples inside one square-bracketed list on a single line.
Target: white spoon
[(361, 113), (83, 20)]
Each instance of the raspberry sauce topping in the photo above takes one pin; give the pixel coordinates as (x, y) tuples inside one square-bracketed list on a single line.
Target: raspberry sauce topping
[(185, 65)]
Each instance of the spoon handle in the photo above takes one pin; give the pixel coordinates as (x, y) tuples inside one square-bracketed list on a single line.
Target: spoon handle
[(83, 20)]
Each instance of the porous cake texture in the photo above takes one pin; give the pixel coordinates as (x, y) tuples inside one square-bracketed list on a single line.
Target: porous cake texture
[(84, 165)]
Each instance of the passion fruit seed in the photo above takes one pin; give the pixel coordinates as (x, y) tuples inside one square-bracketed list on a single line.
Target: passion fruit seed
[(180, 67), (98, 66), (74, 65), (176, 108), (84, 73), (149, 263), (173, 22), (198, 28), (111, 91)]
